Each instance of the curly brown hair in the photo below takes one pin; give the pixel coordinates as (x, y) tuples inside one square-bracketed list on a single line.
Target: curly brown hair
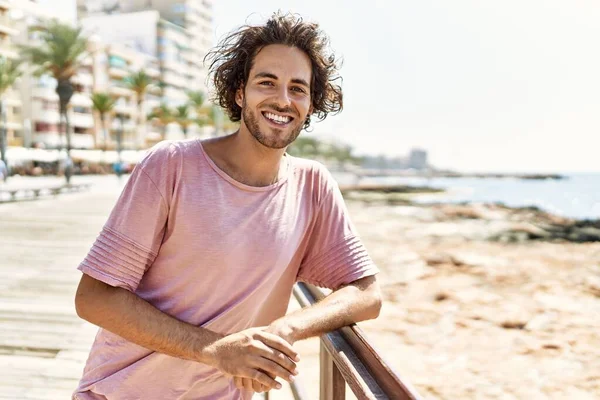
[(231, 60)]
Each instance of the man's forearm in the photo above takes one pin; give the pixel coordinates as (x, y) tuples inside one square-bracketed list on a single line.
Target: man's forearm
[(356, 302), (127, 315)]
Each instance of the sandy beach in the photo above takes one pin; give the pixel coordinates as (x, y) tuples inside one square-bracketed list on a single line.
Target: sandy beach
[(476, 309)]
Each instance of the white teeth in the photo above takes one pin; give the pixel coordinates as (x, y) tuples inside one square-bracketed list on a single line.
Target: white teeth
[(277, 118)]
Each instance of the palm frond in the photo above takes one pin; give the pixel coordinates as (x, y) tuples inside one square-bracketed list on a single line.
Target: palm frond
[(61, 51), (103, 102), (10, 71), (139, 82)]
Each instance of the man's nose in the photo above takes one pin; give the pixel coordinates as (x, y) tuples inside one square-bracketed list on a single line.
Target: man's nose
[(283, 97)]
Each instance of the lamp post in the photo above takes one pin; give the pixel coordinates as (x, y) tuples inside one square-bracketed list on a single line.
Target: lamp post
[(119, 167)]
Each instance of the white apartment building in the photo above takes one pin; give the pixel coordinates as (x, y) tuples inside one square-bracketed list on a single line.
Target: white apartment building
[(111, 64), (196, 16), (169, 43), (12, 104), (40, 102)]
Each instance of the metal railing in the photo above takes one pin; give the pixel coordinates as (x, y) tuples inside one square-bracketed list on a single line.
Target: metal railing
[(347, 357)]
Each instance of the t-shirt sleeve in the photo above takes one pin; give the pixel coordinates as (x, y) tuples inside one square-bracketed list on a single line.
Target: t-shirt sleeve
[(335, 254), (131, 238)]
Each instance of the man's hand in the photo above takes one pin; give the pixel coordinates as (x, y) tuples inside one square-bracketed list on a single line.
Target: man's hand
[(279, 329), (255, 354)]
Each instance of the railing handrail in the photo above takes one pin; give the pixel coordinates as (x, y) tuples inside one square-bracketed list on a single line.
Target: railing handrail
[(361, 366)]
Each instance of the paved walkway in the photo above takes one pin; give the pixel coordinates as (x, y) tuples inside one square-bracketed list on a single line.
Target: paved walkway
[(43, 344)]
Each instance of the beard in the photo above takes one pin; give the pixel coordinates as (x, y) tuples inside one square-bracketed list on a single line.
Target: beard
[(277, 139)]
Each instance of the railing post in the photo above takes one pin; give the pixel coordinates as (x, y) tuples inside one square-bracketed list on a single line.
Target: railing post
[(333, 385)]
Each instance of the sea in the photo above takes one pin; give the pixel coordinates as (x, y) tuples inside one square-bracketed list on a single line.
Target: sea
[(577, 196)]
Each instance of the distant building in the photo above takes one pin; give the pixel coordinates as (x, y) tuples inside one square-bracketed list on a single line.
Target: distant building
[(417, 159), (11, 97), (110, 64), (40, 113), (194, 16)]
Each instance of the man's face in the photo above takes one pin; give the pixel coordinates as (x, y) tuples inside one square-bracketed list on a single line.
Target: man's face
[(276, 99)]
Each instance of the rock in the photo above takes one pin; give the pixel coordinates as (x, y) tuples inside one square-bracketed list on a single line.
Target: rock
[(513, 324)]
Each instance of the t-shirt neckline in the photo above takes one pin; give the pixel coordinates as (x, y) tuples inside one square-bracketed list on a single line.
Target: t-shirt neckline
[(282, 176)]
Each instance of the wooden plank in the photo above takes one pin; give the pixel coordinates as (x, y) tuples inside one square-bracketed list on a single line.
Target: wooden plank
[(333, 385)]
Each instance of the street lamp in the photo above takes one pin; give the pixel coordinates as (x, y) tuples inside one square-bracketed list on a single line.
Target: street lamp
[(119, 166)]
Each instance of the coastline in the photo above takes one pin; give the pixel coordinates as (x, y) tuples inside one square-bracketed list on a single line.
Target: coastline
[(484, 300)]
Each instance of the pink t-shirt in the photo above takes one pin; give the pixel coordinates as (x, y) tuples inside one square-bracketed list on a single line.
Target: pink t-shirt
[(215, 253)]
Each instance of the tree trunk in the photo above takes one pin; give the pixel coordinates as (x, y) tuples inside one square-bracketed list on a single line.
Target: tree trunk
[(65, 90), (104, 131), (141, 139)]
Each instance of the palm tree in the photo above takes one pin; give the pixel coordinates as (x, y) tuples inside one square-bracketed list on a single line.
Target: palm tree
[(164, 116), (9, 73), (60, 54), (139, 82), (196, 100), (183, 118), (104, 104)]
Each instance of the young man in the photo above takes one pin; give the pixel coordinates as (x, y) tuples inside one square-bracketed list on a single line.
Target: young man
[(190, 277)]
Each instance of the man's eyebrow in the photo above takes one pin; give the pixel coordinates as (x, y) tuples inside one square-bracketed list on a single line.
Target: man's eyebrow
[(269, 75), (265, 75), (300, 82)]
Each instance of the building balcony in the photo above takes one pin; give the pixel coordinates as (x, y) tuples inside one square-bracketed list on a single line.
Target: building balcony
[(8, 50), (12, 99), (120, 73), (84, 79), (82, 120), (175, 80), (44, 92), (14, 125), (120, 91), (47, 116), (128, 125), (7, 26), (154, 72), (125, 109), (55, 140), (81, 100)]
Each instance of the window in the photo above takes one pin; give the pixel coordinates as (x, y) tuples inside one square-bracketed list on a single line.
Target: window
[(116, 61), (81, 110), (78, 129), (49, 105), (45, 127)]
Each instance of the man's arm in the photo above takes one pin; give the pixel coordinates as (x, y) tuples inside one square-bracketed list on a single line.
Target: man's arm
[(248, 353), (355, 302)]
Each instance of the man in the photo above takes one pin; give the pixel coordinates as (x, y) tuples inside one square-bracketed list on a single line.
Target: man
[(190, 277)]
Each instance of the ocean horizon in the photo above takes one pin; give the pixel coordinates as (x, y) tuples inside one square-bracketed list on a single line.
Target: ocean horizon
[(577, 196)]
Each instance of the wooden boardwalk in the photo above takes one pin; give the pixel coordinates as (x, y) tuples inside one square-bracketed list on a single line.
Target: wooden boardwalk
[(43, 344)]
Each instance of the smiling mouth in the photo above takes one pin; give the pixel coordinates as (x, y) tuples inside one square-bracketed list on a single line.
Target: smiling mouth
[(281, 120)]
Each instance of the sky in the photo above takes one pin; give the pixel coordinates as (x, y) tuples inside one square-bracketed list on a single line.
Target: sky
[(511, 86)]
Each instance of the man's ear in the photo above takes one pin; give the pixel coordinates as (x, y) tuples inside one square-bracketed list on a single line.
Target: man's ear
[(239, 96)]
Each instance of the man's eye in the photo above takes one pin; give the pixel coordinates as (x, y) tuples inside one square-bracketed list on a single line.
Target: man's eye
[(298, 89), (266, 83)]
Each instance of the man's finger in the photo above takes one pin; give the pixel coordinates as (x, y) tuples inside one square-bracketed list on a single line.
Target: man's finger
[(238, 382), (263, 378), (273, 369), (277, 343)]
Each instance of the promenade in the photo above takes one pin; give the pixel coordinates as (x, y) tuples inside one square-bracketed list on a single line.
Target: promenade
[(43, 344)]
